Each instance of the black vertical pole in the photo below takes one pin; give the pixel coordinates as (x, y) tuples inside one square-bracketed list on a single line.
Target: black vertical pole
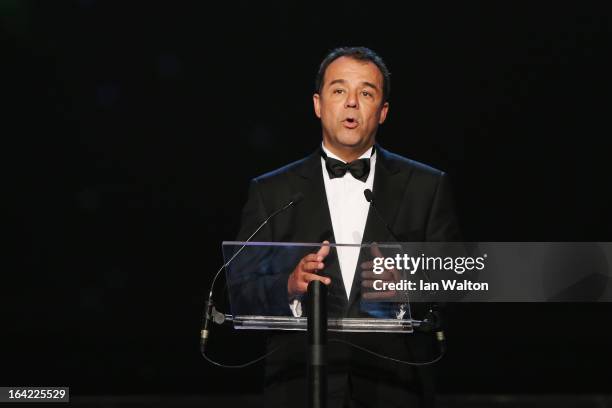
[(317, 345)]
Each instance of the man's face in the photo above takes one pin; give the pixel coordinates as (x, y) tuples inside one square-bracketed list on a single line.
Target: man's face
[(350, 104)]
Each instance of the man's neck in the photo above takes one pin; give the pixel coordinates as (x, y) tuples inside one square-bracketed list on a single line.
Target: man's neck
[(348, 155)]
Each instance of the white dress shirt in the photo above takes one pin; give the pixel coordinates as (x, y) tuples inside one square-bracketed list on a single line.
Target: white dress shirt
[(348, 210)]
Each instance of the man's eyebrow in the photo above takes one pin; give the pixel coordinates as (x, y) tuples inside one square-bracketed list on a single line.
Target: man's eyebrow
[(371, 85), (337, 81), (342, 81)]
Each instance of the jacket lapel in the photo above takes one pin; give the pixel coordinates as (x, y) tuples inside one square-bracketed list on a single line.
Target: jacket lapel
[(389, 188), (315, 222)]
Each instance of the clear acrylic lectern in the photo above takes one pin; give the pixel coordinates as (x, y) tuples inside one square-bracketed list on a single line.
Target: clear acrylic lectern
[(257, 275)]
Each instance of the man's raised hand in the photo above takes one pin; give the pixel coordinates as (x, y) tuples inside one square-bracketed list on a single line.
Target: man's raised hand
[(368, 277), (307, 270)]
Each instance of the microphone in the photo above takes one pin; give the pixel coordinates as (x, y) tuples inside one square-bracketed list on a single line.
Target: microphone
[(210, 313), (369, 196), (433, 323), (433, 319)]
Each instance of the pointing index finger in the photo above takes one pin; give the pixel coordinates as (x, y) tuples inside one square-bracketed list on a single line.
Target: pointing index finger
[(324, 250)]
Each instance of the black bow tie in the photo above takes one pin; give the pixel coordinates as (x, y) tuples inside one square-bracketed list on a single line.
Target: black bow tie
[(360, 168)]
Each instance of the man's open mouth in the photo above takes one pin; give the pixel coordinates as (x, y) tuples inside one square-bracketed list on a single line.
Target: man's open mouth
[(350, 123)]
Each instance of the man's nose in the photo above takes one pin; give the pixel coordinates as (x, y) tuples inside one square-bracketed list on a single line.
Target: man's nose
[(351, 100)]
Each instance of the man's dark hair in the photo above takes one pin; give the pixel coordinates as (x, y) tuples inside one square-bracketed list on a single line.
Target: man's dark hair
[(359, 54)]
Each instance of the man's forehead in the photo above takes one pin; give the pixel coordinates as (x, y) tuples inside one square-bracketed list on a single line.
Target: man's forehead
[(345, 68)]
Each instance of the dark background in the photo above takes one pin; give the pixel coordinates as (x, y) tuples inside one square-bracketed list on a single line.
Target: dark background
[(131, 131)]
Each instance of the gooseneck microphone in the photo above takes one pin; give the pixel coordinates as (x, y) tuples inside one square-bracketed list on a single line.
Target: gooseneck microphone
[(209, 310), (369, 196), (432, 321)]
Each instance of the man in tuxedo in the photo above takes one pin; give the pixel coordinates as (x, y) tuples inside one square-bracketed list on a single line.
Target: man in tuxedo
[(351, 100)]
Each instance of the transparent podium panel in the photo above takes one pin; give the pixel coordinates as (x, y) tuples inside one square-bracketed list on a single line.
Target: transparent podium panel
[(257, 275)]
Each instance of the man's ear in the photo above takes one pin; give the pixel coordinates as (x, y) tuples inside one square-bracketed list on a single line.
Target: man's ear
[(316, 100), (383, 113)]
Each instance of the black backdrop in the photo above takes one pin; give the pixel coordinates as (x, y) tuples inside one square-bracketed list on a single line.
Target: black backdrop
[(132, 130)]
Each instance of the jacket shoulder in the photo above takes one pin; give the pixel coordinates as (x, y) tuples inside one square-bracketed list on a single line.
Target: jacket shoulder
[(406, 164), (282, 173)]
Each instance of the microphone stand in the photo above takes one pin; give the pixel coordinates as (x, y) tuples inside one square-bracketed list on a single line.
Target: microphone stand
[(317, 345)]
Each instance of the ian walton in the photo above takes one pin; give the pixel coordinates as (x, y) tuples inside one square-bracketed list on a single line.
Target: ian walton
[(420, 285)]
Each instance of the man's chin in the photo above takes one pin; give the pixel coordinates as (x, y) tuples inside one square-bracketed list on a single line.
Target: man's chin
[(354, 144), (350, 142)]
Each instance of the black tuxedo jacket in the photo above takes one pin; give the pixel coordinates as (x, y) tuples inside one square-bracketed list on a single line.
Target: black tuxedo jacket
[(416, 202)]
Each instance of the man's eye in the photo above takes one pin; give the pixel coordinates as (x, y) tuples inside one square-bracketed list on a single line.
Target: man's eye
[(366, 93), (338, 91)]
